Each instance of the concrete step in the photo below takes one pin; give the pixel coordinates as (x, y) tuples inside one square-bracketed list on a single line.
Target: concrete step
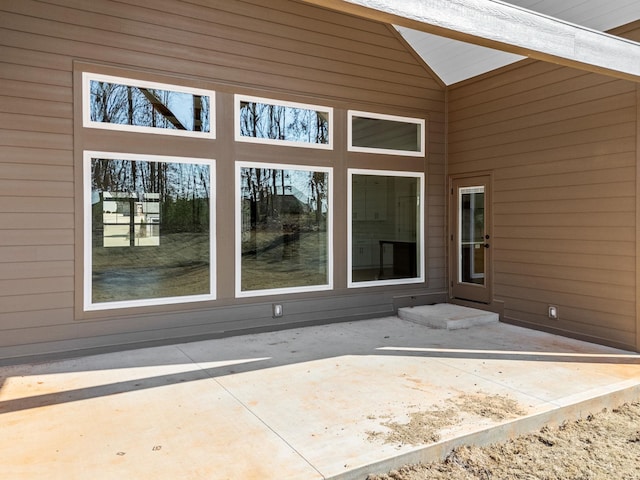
[(447, 316)]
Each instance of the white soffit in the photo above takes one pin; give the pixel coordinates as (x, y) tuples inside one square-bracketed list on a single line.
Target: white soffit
[(454, 61)]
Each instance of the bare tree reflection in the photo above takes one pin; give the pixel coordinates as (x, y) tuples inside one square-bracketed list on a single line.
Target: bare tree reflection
[(162, 206), (147, 107), (284, 222), (278, 122)]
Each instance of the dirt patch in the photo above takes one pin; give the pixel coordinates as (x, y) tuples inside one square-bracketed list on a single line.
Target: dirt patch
[(424, 426), (494, 407), (598, 447)]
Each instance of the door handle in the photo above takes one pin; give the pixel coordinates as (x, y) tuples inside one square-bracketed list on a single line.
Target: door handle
[(486, 245)]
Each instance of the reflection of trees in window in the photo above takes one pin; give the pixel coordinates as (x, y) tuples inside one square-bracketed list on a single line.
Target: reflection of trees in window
[(182, 189), (163, 206), (148, 107), (278, 122), (283, 228), (277, 193)]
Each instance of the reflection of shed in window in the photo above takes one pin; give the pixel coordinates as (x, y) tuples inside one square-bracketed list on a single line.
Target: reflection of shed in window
[(121, 229), (147, 220), (116, 219), (141, 221)]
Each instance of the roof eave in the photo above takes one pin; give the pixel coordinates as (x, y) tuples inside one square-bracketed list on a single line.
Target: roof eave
[(505, 27)]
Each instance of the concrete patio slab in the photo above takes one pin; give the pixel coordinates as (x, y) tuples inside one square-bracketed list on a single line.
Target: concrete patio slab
[(310, 403)]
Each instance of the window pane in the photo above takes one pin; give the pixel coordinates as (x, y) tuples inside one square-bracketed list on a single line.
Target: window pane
[(376, 133), (385, 227), (283, 123), (150, 229), (284, 228), (472, 253), (147, 106), (118, 223)]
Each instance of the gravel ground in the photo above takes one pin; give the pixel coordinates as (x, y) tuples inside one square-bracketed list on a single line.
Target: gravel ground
[(605, 446)]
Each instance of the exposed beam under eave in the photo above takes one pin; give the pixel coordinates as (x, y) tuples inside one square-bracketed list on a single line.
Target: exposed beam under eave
[(505, 27)]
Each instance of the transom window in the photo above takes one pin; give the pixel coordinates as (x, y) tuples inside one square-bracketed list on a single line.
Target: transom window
[(118, 103), (262, 120), (385, 134)]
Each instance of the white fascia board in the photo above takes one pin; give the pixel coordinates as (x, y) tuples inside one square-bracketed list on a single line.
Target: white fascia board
[(505, 27)]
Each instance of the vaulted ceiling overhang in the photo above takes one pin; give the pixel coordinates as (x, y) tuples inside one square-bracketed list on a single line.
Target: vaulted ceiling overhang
[(505, 27)]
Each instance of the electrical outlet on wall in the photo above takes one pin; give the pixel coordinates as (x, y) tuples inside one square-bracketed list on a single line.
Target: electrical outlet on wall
[(277, 310), (553, 312)]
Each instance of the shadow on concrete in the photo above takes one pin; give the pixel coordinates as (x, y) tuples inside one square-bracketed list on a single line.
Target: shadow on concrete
[(212, 359)]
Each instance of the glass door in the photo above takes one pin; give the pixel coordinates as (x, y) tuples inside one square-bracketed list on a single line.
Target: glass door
[(470, 239)]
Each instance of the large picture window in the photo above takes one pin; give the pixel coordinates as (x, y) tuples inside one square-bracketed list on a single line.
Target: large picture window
[(117, 103), (385, 232), (149, 233), (261, 120), (284, 233)]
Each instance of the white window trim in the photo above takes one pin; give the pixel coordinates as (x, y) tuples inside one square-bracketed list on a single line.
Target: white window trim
[(287, 143), (88, 261), (87, 77), (421, 231), (238, 222), (384, 151)]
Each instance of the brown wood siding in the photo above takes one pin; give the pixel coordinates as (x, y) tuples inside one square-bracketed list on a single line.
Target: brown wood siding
[(562, 149), (637, 250), (282, 47)]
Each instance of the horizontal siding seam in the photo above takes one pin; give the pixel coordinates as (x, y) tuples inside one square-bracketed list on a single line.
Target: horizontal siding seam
[(614, 182), (625, 156), (498, 79), (268, 68), (212, 42), (629, 299), (242, 20), (561, 277), (527, 98), (541, 203), (485, 140), (306, 86), (521, 115), (570, 319), (278, 20), (616, 136), (516, 315), (502, 94)]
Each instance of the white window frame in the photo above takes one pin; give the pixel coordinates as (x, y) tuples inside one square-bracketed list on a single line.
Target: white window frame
[(89, 305), (420, 242), (385, 151), (87, 77), (238, 221), (238, 99)]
